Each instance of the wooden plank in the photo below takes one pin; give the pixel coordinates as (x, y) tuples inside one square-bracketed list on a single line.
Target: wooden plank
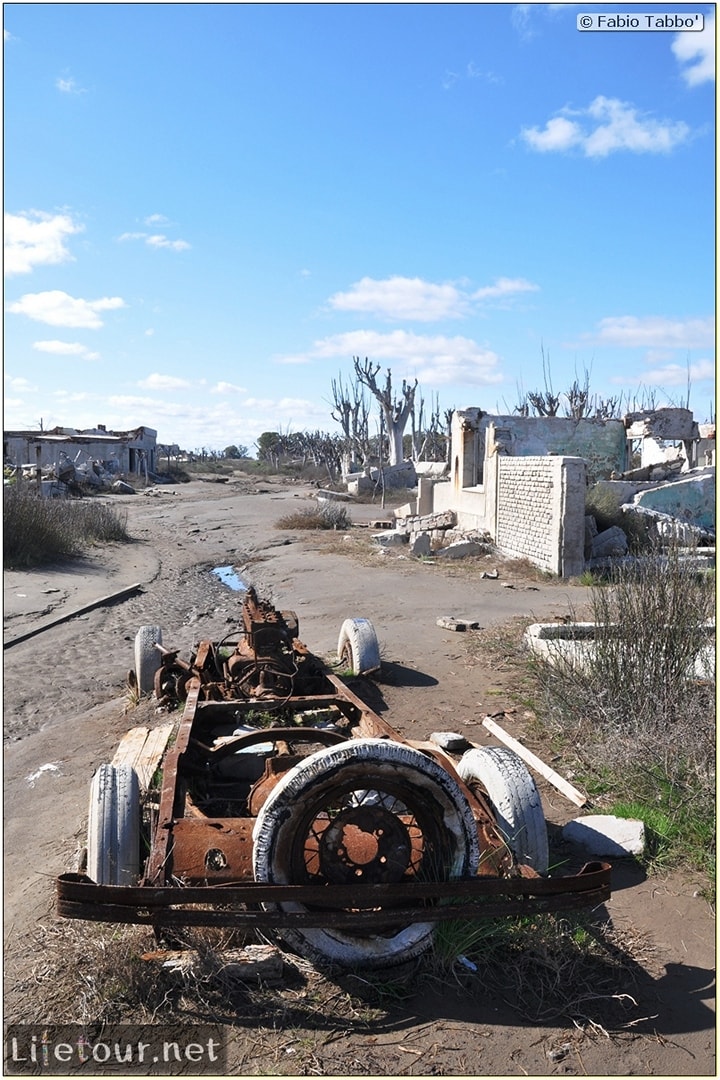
[(130, 746), (535, 763), (151, 753)]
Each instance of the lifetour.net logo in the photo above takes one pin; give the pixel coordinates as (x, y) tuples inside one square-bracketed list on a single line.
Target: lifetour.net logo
[(113, 1050)]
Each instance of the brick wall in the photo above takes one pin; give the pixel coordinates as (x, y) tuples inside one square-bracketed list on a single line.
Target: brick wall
[(540, 511)]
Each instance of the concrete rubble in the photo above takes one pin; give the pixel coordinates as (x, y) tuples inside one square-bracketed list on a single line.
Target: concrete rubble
[(450, 741), (449, 622), (605, 835)]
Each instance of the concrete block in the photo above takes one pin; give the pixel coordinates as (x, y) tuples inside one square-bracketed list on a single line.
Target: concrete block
[(391, 538), (451, 741), (420, 544), (612, 541), (606, 835)]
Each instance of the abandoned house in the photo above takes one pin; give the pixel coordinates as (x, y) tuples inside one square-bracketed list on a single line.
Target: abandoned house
[(524, 480), (118, 452)]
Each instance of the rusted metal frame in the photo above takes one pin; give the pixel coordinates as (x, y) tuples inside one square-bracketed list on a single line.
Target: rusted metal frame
[(368, 723), (274, 735), (367, 922), (169, 796), (593, 875), (197, 839), (452, 904)]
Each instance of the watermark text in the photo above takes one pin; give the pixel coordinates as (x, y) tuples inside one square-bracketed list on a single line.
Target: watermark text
[(117, 1049), (644, 21)]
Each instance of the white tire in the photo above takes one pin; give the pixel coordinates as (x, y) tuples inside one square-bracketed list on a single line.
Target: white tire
[(113, 847), (515, 801), (147, 657), (358, 646), (367, 810)]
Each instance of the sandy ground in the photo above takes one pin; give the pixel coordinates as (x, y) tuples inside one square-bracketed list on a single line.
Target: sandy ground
[(66, 707)]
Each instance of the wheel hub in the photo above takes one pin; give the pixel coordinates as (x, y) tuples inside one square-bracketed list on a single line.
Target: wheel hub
[(365, 844)]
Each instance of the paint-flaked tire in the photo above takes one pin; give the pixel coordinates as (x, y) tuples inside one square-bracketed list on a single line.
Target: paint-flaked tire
[(367, 810), (515, 800), (147, 657), (113, 847), (358, 646)]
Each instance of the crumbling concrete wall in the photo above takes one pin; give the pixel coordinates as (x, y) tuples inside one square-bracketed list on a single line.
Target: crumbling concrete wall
[(602, 443), (120, 451), (514, 478), (690, 498)]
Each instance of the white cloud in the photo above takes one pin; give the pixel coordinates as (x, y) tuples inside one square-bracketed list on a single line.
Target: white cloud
[(669, 374), (156, 240), (609, 125), (34, 238), (504, 287), (434, 359), (164, 382), (695, 52), (19, 385), (471, 72), (227, 388), (402, 298), (520, 18), (160, 241), (66, 348), (156, 219), (57, 308), (69, 86), (558, 134), (654, 332)]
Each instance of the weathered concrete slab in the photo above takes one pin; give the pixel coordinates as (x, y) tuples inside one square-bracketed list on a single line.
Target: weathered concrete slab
[(461, 549), (606, 835)]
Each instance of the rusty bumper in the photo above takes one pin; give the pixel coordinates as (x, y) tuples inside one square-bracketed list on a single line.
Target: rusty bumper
[(367, 907)]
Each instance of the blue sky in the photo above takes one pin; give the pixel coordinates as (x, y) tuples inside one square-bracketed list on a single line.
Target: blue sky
[(211, 208)]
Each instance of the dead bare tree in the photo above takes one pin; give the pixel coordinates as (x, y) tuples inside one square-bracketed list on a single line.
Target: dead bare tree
[(433, 438), (395, 411), (352, 412)]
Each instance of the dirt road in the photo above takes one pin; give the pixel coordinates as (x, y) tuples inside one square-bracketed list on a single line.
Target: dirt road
[(65, 708)]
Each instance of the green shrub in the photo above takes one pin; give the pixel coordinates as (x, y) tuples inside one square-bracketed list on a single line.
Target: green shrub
[(640, 714)]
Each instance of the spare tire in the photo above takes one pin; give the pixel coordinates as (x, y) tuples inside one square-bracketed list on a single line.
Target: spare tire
[(367, 810), (147, 657), (113, 846), (358, 646), (515, 801)]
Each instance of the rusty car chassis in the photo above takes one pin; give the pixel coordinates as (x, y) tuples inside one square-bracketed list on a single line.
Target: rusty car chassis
[(286, 804)]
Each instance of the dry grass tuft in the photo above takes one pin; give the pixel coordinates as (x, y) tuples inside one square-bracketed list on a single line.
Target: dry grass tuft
[(330, 515), (41, 530)]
